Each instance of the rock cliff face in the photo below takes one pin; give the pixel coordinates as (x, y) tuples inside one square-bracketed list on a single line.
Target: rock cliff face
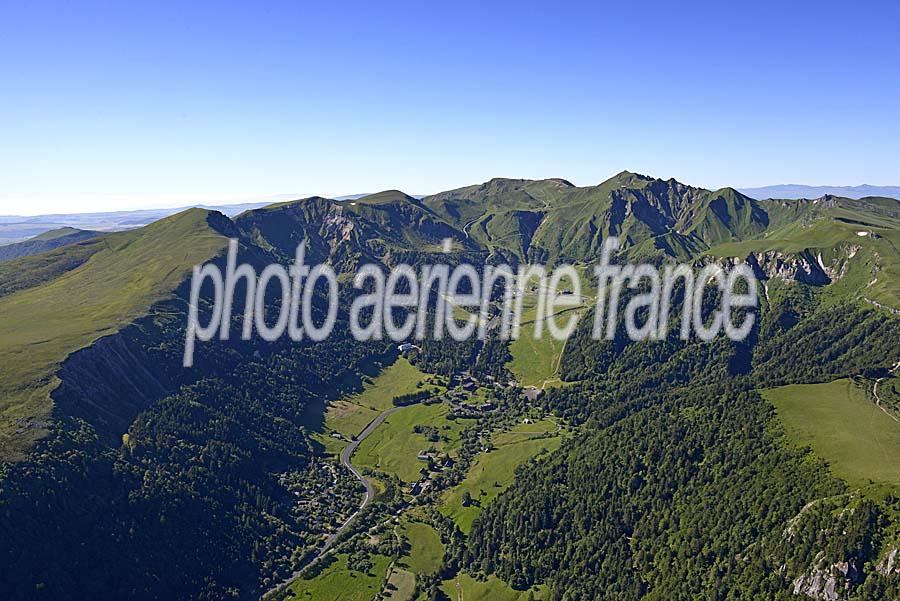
[(807, 266), (828, 582), (890, 564), (800, 267), (108, 383)]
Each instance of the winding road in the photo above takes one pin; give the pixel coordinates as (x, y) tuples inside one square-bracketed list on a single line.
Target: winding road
[(345, 461), (466, 227), (346, 454)]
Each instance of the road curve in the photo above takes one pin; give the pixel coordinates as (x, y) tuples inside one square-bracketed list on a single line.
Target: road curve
[(370, 493), (345, 461)]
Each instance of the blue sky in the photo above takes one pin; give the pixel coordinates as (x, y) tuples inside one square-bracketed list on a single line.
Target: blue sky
[(126, 104)]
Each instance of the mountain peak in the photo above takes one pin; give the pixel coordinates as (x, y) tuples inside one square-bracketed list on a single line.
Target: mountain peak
[(385, 197), (629, 178)]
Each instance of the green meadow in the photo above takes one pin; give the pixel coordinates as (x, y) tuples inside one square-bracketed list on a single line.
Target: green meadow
[(535, 362), (492, 589), (337, 582), (48, 319), (843, 426), (425, 549), (523, 431), (401, 585), (399, 378), (492, 473), (349, 416), (393, 446)]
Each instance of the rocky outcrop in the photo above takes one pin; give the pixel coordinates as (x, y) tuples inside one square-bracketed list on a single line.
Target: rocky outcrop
[(828, 582), (890, 563), (841, 263), (793, 267), (108, 383), (807, 266)]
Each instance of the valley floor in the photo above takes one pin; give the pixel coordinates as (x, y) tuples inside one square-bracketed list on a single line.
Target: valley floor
[(388, 448)]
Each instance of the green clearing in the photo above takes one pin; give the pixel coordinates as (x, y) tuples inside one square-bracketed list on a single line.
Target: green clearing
[(393, 446), (523, 431), (536, 361), (348, 419), (401, 585), (844, 427), (44, 323), (349, 416), (425, 549), (493, 589), (491, 474), (399, 378), (338, 583)]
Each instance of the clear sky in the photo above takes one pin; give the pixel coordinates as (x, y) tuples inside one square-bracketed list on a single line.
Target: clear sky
[(127, 104)]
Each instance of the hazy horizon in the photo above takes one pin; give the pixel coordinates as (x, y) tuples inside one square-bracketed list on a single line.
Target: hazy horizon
[(136, 205), (121, 106)]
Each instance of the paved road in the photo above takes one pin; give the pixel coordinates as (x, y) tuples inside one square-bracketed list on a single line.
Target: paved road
[(345, 461), (370, 493), (346, 454)]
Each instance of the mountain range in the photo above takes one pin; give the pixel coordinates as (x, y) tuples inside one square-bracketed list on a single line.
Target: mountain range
[(847, 245), (155, 481), (802, 191), (19, 228)]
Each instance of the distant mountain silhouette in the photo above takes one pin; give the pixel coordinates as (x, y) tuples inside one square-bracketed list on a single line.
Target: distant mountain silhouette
[(801, 191)]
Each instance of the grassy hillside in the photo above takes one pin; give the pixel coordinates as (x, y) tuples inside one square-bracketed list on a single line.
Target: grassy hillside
[(123, 275), (400, 378), (350, 415), (46, 242), (338, 583), (536, 362), (373, 228), (491, 589), (393, 447), (842, 425), (853, 243), (493, 472), (856, 241), (425, 550), (34, 270), (552, 220)]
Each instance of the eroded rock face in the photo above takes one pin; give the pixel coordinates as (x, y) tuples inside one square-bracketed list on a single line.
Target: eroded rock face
[(795, 267), (828, 583), (890, 564), (807, 267), (337, 227)]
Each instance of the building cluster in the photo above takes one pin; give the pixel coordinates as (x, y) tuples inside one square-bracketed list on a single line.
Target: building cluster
[(437, 464)]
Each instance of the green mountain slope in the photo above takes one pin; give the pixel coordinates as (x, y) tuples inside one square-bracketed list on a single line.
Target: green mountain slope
[(151, 481), (842, 243), (853, 246), (45, 242), (501, 214), (123, 276), (552, 220), (347, 233)]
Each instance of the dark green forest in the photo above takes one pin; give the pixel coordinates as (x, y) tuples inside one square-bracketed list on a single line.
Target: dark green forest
[(681, 485)]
